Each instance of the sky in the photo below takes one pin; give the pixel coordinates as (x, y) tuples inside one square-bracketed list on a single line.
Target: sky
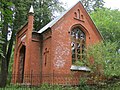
[(113, 4)]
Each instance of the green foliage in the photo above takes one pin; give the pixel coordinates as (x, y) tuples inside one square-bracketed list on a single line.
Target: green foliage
[(5, 12), (44, 11), (105, 54), (21, 8), (5, 19), (83, 84), (106, 58), (80, 63), (41, 87), (108, 22)]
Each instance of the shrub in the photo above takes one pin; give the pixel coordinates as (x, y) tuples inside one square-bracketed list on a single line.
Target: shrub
[(106, 58)]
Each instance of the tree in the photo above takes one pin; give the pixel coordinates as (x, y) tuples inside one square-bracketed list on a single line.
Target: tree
[(6, 21), (108, 23), (44, 11), (21, 8), (92, 5), (106, 54)]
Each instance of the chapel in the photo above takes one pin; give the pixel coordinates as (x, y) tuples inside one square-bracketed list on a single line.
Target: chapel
[(54, 49)]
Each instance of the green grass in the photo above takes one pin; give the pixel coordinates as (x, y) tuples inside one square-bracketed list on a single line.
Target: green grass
[(57, 87)]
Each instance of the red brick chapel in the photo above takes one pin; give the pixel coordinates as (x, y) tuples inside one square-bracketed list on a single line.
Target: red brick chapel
[(55, 48)]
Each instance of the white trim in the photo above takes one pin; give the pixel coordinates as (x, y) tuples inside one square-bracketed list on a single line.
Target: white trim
[(23, 37), (80, 68)]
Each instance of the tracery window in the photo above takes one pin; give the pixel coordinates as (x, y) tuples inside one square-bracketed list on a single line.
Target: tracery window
[(78, 44)]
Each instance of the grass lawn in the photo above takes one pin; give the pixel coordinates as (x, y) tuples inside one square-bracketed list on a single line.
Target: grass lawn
[(57, 87)]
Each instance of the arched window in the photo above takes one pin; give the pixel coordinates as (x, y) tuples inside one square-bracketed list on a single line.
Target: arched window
[(78, 44), (78, 14), (75, 15)]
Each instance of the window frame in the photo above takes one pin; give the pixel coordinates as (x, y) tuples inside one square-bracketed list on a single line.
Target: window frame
[(78, 38)]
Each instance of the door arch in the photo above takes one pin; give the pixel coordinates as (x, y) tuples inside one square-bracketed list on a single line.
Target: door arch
[(21, 64)]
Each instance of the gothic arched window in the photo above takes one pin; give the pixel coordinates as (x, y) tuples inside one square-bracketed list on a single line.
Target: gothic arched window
[(78, 44)]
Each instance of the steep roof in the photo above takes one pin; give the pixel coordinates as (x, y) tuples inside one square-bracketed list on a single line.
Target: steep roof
[(54, 21), (50, 24)]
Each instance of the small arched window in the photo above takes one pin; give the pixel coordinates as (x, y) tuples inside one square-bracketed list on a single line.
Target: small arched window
[(78, 44), (78, 14), (75, 15)]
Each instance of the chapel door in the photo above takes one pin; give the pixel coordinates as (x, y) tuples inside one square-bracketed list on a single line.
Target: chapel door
[(21, 64)]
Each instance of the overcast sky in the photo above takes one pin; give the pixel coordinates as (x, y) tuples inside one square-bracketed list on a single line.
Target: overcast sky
[(113, 4)]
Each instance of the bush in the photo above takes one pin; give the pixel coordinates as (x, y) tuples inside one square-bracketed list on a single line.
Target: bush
[(106, 59)]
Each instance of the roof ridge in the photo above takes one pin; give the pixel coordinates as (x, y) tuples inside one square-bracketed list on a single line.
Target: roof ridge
[(51, 23)]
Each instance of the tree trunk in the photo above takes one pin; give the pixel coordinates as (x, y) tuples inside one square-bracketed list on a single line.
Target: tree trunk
[(9, 52), (3, 76)]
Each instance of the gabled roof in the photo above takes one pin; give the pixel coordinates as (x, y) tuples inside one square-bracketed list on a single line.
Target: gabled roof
[(50, 24)]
